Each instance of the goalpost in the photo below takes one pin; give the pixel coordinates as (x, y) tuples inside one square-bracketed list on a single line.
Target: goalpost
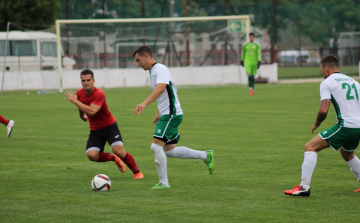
[(176, 41)]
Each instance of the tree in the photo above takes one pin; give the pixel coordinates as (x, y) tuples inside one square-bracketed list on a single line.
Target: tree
[(318, 19), (322, 20), (29, 14), (92, 9)]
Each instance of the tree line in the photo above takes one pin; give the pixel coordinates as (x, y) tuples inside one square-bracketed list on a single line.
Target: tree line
[(319, 20)]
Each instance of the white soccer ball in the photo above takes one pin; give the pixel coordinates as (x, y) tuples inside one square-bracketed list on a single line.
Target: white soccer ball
[(101, 182)]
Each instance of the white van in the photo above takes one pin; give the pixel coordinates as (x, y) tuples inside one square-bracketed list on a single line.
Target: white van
[(293, 56), (31, 50)]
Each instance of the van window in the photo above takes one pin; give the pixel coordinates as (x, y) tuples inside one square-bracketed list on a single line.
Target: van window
[(48, 49), (2, 48), (19, 48), (23, 47), (287, 59)]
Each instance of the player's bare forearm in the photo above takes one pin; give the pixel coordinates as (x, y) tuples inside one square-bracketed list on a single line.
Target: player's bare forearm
[(320, 118), (322, 113), (88, 110), (323, 110), (159, 89), (83, 116)]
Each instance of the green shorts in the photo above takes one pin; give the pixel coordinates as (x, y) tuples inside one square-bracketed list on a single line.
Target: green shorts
[(251, 68), (338, 136), (167, 129)]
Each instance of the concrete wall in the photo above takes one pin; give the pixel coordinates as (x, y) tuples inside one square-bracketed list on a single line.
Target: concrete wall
[(133, 77)]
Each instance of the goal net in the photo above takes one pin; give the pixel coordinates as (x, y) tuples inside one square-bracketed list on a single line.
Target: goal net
[(104, 44)]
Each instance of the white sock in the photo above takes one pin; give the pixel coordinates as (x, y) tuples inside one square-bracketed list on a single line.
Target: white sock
[(183, 152), (354, 165), (160, 163), (308, 167)]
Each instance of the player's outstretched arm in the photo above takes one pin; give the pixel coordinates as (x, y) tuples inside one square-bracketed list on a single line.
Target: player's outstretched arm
[(89, 110), (322, 113), (159, 89)]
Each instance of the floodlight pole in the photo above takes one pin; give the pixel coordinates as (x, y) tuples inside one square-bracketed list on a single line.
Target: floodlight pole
[(143, 24), (105, 52), (275, 33), (67, 27), (58, 42), (187, 37), (5, 52)]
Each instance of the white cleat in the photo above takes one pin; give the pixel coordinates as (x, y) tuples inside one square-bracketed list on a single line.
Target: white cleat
[(9, 127)]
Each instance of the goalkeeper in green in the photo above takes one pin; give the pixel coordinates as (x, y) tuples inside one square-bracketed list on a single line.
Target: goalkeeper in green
[(251, 59)]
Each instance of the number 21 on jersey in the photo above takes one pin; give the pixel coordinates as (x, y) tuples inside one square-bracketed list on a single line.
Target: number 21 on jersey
[(348, 94)]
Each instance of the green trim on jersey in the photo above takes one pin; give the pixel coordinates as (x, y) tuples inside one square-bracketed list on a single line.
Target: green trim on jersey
[(337, 111), (171, 97)]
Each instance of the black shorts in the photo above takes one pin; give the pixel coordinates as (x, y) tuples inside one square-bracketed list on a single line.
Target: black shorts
[(97, 139)]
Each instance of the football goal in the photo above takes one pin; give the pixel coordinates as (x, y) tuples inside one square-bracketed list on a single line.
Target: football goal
[(175, 42)]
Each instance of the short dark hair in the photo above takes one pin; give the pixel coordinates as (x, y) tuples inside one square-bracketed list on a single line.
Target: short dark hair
[(86, 72), (330, 61), (251, 34), (143, 50)]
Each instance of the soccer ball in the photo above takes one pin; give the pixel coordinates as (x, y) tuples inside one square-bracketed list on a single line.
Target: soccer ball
[(101, 182)]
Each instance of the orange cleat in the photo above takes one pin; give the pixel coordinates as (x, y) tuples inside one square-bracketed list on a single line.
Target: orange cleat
[(251, 92), (298, 191), (138, 175), (119, 163), (358, 190)]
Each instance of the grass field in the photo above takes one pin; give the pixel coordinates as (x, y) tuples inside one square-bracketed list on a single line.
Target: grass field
[(258, 142)]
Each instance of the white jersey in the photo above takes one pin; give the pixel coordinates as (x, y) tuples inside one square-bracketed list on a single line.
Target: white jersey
[(168, 101), (344, 94)]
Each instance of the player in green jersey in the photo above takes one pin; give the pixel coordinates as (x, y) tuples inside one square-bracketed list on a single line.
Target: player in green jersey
[(251, 59)]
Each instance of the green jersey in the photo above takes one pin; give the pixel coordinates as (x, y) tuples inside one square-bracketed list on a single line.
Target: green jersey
[(251, 53)]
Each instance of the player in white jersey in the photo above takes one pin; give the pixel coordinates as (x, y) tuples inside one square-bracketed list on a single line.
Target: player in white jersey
[(167, 119), (343, 92), (168, 99)]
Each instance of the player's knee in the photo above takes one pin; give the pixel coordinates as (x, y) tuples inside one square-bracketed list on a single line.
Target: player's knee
[(347, 155), (155, 147), (93, 155), (170, 153), (309, 147), (119, 151)]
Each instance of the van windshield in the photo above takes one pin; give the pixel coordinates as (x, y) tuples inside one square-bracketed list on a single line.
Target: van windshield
[(18, 48), (48, 49)]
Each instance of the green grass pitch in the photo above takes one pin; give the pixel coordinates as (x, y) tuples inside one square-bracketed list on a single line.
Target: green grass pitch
[(258, 142)]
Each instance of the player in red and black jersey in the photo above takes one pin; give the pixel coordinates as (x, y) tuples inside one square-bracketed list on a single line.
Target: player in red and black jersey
[(92, 107)]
